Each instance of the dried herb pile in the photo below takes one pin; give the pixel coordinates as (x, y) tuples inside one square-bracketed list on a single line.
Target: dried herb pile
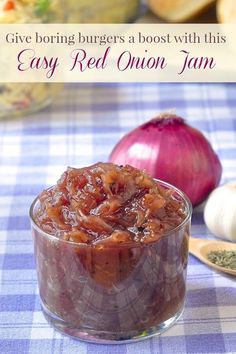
[(226, 259)]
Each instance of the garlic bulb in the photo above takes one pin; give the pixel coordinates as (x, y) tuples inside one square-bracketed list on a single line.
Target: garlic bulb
[(220, 211)]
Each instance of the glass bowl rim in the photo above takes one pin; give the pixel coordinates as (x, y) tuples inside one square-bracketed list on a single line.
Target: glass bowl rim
[(188, 206)]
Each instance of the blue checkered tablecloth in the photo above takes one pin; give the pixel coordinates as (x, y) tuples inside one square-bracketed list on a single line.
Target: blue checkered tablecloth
[(80, 128)]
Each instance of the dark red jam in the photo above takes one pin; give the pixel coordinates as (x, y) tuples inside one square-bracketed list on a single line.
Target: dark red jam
[(107, 204), (123, 270)]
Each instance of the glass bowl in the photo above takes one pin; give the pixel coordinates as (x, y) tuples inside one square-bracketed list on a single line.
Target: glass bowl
[(113, 294), (18, 99)]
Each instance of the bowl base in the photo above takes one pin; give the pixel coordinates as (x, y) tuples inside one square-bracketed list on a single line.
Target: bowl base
[(88, 335)]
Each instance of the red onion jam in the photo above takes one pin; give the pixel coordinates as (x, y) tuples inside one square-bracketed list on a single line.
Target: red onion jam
[(111, 247)]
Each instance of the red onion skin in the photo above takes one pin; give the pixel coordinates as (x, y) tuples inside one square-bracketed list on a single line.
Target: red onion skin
[(171, 150)]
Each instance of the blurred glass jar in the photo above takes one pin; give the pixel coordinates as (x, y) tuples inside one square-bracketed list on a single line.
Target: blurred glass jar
[(21, 98), (103, 11)]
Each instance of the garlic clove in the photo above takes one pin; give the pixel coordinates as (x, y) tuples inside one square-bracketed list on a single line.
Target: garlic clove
[(220, 211)]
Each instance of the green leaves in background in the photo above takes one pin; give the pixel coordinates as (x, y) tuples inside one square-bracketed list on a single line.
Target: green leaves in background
[(42, 7)]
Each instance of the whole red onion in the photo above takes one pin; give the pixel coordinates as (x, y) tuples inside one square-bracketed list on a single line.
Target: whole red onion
[(171, 150)]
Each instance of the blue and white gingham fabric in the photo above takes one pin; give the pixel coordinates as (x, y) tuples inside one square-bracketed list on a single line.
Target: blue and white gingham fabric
[(80, 128)]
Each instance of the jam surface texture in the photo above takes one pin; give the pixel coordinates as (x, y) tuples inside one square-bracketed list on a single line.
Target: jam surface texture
[(106, 204)]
